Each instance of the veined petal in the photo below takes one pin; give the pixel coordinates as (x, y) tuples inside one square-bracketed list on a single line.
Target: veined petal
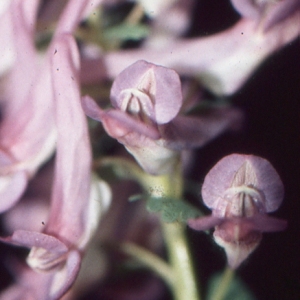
[(264, 179), (23, 132), (203, 57), (186, 132), (204, 223), (71, 189), (269, 12), (116, 122), (49, 286), (161, 84), (30, 239), (99, 201)]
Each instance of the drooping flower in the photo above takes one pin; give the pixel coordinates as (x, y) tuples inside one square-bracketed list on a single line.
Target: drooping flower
[(26, 141), (77, 201), (266, 12), (147, 99), (223, 61), (240, 190)]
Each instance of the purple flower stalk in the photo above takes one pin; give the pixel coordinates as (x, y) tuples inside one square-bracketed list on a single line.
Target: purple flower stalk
[(240, 190)]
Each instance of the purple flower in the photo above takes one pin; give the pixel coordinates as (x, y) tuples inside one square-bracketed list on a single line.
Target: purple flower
[(26, 140), (146, 100), (240, 190), (223, 61), (267, 12), (77, 201)]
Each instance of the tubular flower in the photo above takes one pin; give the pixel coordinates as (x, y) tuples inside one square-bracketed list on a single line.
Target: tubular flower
[(77, 201), (267, 12), (146, 100), (264, 28), (240, 190), (26, 141)]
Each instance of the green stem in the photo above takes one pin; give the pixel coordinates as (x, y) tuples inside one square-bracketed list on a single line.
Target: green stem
[(224, 284), (150, 260), (185, 285)]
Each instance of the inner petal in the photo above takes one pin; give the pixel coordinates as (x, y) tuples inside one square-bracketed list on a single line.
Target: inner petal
[(243, 201), (137, 103)]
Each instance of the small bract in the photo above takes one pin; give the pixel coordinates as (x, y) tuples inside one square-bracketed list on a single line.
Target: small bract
[(240, 190)]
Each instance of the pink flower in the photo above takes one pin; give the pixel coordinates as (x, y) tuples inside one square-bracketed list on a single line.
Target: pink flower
[(241, 190), (26, 140), (147, 99), (223, 61), (267, 13), (77, 201)]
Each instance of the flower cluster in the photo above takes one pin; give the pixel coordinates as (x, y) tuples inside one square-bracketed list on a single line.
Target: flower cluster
[(46, 104), (168, 94)]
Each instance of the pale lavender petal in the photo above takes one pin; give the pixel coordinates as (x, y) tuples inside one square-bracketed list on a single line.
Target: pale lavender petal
[(205, 58), (21, 123), (265, 180), (70, 195), (91, 108), (6, 38), (116, 122), (31, 239), (152, 156), (23, 18), (268, 181), (29, 214), (49, 286), (249, 8), (119, 124), (63, 279), (73, 13), (12, 182), (17, 21), (280, 11), (204, 223), (186, 132), (264, 223), (271, 12), (164, 88)]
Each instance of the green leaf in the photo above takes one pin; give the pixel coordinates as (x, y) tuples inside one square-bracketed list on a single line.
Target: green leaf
[(172, 210), (236, 290), (121, 168), (125, 32)]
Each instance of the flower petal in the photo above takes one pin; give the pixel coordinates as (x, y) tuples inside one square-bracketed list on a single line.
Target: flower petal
[(186, 132), (204, 223), (264, 178), (116, 122), (12, 183), (49, 286), (160, 83), (71, 190)]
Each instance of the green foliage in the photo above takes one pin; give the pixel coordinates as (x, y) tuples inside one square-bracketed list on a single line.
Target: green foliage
[(124, 32), (235, 291), (172, 210), (120, 169)]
